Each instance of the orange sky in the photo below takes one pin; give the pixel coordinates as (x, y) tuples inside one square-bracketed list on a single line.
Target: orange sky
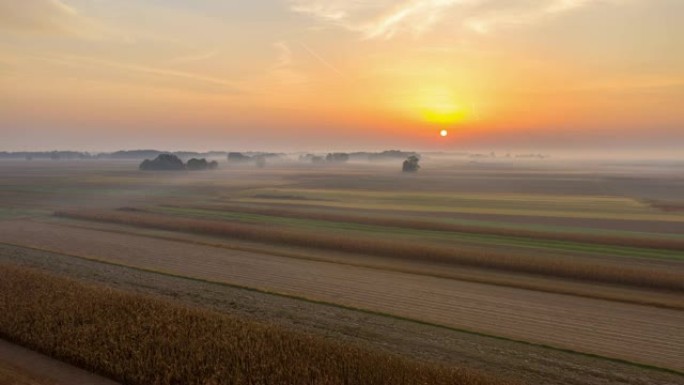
[(343, 75)]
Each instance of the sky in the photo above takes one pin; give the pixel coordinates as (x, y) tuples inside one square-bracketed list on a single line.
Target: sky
[(303, 75)]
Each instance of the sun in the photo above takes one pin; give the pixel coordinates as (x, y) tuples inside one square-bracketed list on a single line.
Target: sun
[(444, 133)]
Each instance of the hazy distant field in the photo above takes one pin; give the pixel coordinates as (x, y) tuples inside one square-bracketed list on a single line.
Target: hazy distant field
[(532, 251)]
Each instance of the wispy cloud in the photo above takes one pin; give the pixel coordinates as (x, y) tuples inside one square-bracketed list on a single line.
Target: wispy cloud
[(45, 16), (321, 59), (171, 77), (526, 12), (195, 57), (379, 19), (330, 10), (284, 54), (416, 17), (284, 68), (385, 19), (289, 71)]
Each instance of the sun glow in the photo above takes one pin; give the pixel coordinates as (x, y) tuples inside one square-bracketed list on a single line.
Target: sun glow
[(439, 106)]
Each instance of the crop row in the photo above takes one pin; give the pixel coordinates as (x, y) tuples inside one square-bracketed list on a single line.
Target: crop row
[(418, 224), (140, 340), (592, 271)]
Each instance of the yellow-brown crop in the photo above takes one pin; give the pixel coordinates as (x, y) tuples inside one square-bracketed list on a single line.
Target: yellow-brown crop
[(145, 341)]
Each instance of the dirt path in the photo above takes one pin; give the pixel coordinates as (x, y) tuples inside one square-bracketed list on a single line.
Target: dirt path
[(43, 367), (631, 332)]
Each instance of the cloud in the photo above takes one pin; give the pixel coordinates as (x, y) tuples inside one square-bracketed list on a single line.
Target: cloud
[(288, 71), (378, 19), (284, 54), (196, 57), (491, 17), (384, 19), (170, 77), (330, 10), (321, 59), (284, 69), (44, 16)]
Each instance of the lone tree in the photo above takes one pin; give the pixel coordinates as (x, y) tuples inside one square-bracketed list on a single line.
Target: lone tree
[(411, 164), (164, 162)]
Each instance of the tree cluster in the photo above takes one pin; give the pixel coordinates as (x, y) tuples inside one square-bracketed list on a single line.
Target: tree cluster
[(201, 164), (237, 157), (333, 157), (170, 162), (257, 158), (337, 157)]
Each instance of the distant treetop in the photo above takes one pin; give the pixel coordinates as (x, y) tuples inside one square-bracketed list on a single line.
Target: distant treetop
[(337, 157), (201, 164), (163, 162), (238, 157)]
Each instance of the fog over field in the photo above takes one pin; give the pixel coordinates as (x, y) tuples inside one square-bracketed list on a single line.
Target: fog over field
[(341, 192), (516, 268)]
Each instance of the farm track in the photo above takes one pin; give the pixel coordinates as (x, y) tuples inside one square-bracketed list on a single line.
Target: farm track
[(591, 326), (54, 372)]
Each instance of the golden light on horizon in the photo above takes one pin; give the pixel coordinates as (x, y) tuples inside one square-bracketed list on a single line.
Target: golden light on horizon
[(439, 105), (443, 133), (383, 73)]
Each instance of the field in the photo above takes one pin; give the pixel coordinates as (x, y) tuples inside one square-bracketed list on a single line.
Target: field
[(527, 255), (21, 366), (144, 341)]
